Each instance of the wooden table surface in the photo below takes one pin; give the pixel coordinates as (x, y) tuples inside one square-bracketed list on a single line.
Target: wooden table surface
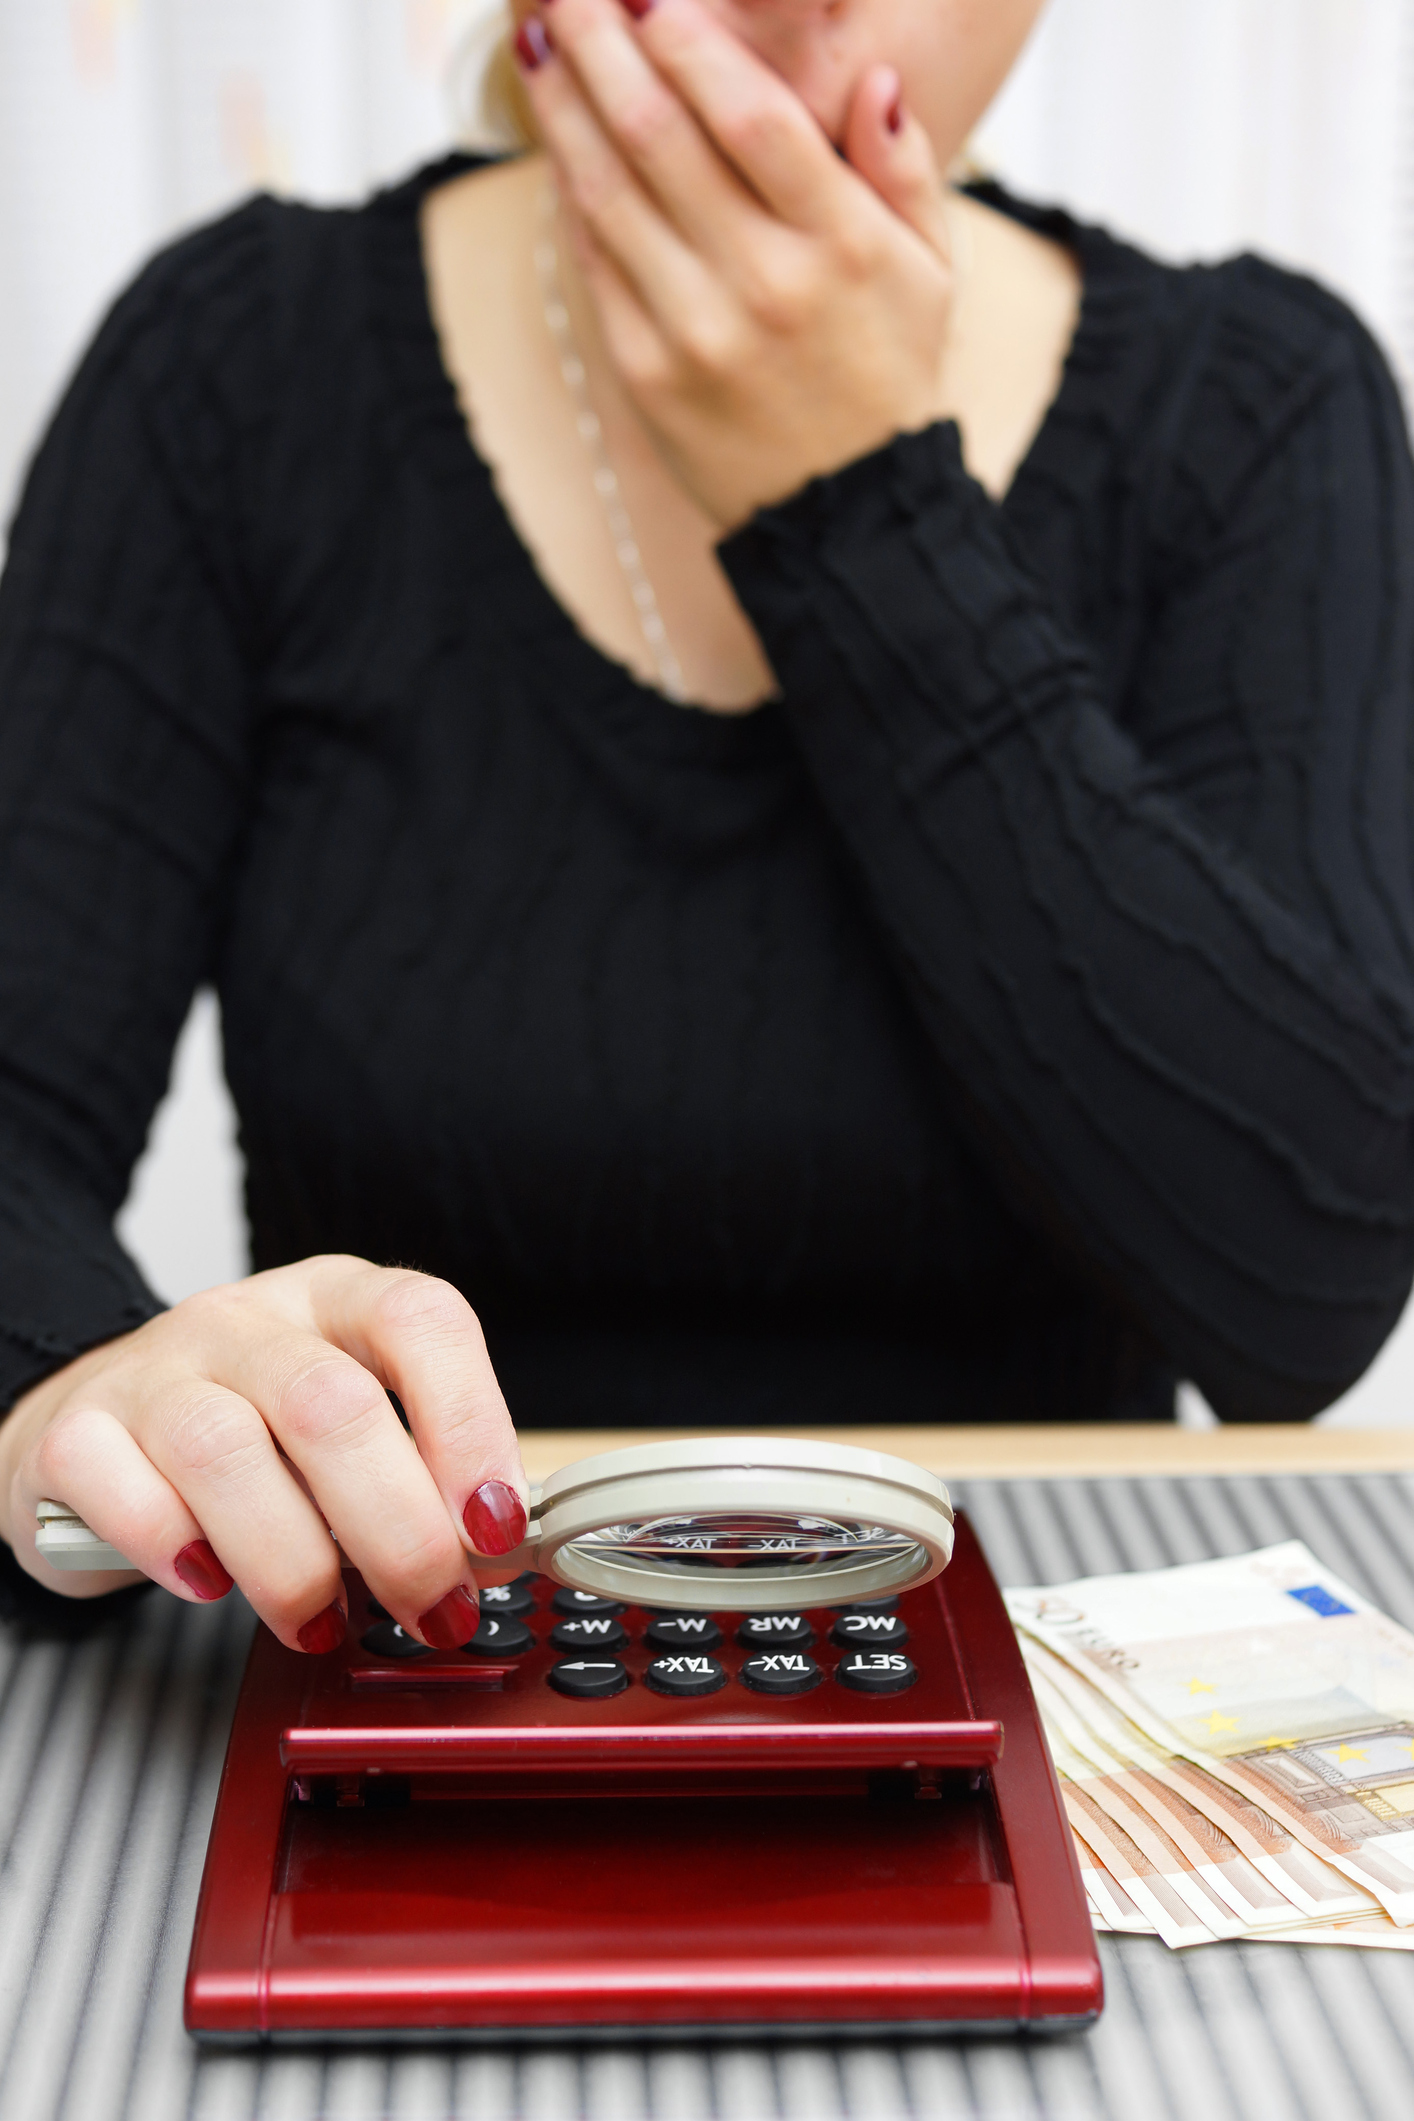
[(1054, 1451)]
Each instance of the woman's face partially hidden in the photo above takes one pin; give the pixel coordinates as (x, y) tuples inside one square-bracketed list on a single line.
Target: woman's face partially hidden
[(953, 55)]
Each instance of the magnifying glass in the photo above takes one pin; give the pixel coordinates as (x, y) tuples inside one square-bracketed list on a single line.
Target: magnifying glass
[(757, 1524)]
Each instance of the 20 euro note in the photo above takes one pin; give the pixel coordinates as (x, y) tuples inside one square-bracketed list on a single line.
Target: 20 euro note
[(1213, 1824), (1273, 1676)]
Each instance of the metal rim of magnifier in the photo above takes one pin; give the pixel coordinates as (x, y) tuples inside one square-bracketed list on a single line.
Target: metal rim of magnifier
[(759, 1475)]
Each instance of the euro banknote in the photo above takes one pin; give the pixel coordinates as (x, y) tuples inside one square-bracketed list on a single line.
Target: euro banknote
[(1252, 1862), (1189, 1851), (1272, 1677)]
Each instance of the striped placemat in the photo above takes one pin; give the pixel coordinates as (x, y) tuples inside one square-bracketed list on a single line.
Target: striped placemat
[(110, 1749)]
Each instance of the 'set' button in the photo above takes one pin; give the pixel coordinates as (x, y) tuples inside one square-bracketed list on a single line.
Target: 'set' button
[(876, 1671)]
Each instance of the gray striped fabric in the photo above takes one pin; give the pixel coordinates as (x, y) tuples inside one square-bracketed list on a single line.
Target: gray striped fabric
[(109, 1757)]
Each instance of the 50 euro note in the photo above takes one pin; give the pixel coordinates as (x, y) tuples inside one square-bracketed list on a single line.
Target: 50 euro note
[(1170, 1830), (1251, 1861), (1276, 1679), (1139, 1859)]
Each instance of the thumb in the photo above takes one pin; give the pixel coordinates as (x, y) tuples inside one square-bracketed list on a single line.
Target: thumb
[(885, 144)]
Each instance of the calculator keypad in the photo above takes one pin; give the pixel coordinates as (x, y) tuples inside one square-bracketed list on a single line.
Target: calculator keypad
[(603, 1647)]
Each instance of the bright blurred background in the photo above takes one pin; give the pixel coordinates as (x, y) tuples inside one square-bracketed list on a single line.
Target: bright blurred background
[(1198, 127)]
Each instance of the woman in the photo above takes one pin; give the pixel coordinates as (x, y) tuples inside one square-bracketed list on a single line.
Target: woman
[(990, 998)]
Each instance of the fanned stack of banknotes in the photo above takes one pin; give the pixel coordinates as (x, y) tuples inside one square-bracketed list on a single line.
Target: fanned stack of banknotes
[(1235, 1742)]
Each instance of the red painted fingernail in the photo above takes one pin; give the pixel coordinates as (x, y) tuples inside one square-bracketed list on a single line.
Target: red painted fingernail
[(640, 8), (893, 117), (494, 1518), (325, 1632), (201, 1572), (533, 46), (451, 1622)]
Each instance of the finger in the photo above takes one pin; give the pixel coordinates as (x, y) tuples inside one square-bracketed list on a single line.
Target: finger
[(748, 111), (90, 1462), (635, 343), (653, 132), (210, 1443), (332, 1418), (671, 280), (421, 1336), (891, 150)]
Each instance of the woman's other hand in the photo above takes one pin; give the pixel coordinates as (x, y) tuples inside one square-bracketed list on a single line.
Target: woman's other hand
[(223, 1440), (775, 309)]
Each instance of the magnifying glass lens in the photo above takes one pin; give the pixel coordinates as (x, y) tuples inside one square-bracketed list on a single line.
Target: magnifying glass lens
[(730, 1540)]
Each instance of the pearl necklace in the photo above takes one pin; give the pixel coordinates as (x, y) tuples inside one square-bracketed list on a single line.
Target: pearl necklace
[(606, 482)]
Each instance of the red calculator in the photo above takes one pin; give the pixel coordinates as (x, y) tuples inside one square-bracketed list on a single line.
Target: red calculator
[(703, 1814)]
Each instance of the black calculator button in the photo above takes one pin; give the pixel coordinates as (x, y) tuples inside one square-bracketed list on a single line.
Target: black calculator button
[(775, 1631), (869, 1631), (869, 1605), (500, 1635), (781, 1672), (514, 1598), (389, 1640), (683, 1631), (876, 1671), (572, 1602), (589, 1633), (589, 1678), (685, 1674)]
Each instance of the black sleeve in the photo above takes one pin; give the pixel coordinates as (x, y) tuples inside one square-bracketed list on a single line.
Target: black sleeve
[(125, 658), (1164, 946)]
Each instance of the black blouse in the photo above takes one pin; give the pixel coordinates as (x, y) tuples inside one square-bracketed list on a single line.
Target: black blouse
[(1016, 1015)]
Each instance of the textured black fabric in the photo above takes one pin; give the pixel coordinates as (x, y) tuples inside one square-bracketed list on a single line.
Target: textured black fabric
[(1017, 1014)]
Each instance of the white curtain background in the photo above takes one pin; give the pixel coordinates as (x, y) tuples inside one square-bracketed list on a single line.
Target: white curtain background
[(1197, 127)]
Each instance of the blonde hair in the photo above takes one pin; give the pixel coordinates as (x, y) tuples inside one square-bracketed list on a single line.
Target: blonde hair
[(487, 89)]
